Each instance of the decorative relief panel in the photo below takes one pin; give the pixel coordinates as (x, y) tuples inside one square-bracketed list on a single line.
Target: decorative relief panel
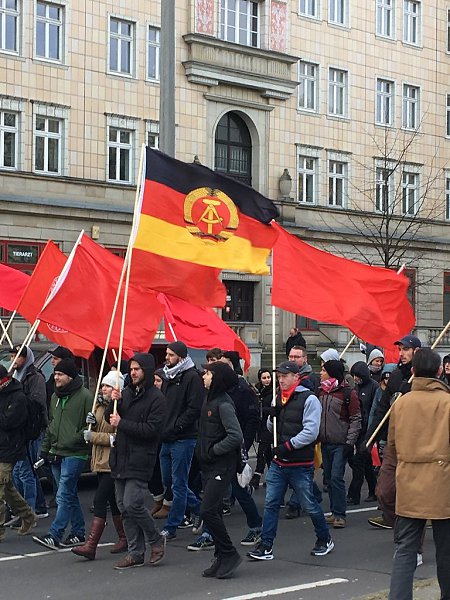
[(278, 26), (204, 17)]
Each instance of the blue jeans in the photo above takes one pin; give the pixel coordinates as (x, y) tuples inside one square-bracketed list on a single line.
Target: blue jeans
[(245, 499), (334, 469), (301, 480), (25, 481), (175, 459), (294, 503), (66, 472)]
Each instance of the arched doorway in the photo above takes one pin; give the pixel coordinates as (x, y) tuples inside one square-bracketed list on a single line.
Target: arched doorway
[(233, 148)]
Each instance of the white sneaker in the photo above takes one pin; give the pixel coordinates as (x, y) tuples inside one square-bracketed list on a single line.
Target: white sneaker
[(419, 559)]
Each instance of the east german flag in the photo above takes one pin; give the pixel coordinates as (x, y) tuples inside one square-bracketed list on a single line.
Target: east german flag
[(194, 215)]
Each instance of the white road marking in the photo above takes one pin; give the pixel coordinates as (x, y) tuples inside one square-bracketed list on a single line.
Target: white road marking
[(356, 510), (287, 590), (44, 553)]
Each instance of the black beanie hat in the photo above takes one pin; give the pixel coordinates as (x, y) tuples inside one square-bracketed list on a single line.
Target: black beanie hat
[(234, 357), (68, 367), (335, 369), (179, 348), (61, 352)]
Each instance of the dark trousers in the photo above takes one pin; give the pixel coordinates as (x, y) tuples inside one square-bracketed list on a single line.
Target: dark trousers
[(104, 495), (215, 484), (408, 539), (263, 456), (361, 464), (156, 486)]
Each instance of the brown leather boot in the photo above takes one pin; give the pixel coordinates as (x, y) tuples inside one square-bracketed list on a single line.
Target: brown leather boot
[(162, 513), (156, 507), (121, 545), (88, 549)]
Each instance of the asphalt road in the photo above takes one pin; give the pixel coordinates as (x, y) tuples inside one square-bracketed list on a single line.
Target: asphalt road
[(360, 564)]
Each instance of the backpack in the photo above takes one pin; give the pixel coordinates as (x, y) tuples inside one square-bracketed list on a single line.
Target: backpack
[(36, 421)]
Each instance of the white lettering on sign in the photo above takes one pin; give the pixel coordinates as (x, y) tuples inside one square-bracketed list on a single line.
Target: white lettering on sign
[(22, 253)]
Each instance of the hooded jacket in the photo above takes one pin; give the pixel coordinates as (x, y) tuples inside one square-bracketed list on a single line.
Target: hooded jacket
[(142, 411), (12, 420), (419, 434), (247, 410), (341, 420), (375, 374), (33, 383), (366, 391), (220, 436), (265, 395)]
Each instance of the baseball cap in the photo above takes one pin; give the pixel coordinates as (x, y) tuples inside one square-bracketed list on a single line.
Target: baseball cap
[(409, 341), (287, 367)]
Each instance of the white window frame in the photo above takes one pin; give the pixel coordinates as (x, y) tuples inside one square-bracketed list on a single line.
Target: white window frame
[(384, 188), (307, 174), (384, 98), (410, 184), (448, 115), (412, 22), (385, 18), (157, 46), (227, 8), (152, 130), (447, 196), (309, 8), (333, 181), (306, 83), (5, 15), (334, 8), (48, 21), (47, 135), (122, 39), (410, 107), (5, 129), (337, 92)]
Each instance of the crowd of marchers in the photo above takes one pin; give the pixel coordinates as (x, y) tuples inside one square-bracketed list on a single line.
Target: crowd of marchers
[(184, 434)]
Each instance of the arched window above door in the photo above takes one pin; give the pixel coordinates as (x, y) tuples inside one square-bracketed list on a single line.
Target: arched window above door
[(233, 148)]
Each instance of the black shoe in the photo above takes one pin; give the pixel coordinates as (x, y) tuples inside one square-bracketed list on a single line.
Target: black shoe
[(186, 523), (353, 502), (261, 552), (73, 540), (212, 570), (322, 547), (292, 512), (228, 566), (371, 498), (48, 541), (226, 511)]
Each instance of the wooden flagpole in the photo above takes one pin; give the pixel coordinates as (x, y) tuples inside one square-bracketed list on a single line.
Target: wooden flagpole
[(5, 333), (386, 416), (8, 324)]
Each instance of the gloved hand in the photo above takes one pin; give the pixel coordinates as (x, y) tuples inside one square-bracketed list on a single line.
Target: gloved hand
[(43, 455), (348, 451), (90, 418), (87, 435), (282, 450), (274, 411)]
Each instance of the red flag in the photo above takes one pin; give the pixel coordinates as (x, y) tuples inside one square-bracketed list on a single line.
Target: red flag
[(12, 286), (201, 327), (84, 301), (41, 282), (391, 354), (370, 301)]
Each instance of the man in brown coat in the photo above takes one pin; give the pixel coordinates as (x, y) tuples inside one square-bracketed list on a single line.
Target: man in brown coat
[(419, 438)]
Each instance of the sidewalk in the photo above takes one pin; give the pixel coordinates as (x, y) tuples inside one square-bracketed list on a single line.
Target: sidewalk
[(428, 589)]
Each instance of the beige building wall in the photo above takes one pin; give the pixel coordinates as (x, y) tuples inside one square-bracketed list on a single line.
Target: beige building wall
[(214, 77)]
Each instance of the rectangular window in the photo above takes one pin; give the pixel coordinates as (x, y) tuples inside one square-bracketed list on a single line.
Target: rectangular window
[(9, 133), (47, 145), (240, 301), (411, 22), (153, 140), (9, 25), (308, 86), (153, 53), (385, 18), (239, 22), (309, 8), (410, 193), (448, 115), (120, 149), (446, 298), (383, 190), (337, 175), (384, 111), (337, 92), (121, 46), (49, 31), (338, 12), (307, 179), (411, 107), (447, 198)]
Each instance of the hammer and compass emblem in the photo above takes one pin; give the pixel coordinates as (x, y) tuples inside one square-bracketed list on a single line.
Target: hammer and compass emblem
[(212, 214)]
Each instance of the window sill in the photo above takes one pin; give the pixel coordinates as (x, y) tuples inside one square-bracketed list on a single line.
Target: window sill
[(306, 111), (121, 76), (47, 62), (338, 118)]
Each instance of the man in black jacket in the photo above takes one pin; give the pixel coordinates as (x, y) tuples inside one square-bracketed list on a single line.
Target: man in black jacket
[(139, 420), (12, 448), (184, 393)]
